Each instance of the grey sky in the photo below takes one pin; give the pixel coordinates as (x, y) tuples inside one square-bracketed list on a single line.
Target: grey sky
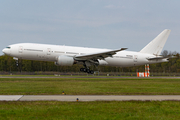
[(90, 23)]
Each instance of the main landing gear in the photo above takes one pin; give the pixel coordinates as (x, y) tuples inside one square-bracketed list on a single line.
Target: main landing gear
[(87, 70)]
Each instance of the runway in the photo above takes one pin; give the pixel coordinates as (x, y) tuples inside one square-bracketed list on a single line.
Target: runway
[(73, 98), (115, 77)]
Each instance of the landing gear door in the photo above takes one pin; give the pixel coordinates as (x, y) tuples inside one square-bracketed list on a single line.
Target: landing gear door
[(20, 49), (135, 58)]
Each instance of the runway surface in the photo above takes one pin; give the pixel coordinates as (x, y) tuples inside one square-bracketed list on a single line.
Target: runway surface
[(89, 77), (90, 97)]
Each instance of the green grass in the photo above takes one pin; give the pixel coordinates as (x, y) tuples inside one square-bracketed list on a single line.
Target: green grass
[(55, 110), (89, 86), (165, 110)]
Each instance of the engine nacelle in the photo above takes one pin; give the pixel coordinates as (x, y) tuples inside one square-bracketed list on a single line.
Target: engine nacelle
[(65, 61), (102, 62)]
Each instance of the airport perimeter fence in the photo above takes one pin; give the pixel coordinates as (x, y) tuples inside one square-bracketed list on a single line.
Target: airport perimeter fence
[(133, 74)]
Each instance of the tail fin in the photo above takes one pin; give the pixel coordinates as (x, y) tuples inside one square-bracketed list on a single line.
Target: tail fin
[(155, 46)]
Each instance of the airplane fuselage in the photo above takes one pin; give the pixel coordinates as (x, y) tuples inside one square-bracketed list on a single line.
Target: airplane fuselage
[(45, 52)]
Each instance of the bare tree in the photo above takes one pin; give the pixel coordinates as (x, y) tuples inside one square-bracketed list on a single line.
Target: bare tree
[(164, 53)]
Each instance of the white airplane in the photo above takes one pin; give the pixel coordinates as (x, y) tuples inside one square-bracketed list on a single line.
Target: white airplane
[(67, 55)]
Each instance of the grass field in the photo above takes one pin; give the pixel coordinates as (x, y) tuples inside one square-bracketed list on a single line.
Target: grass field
[(149, 110), (89, 86), (166, 110)]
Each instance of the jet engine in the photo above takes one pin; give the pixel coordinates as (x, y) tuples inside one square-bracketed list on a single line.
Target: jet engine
[(65, 61)]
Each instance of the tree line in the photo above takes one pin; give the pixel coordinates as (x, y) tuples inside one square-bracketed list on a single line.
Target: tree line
[(8, 64)]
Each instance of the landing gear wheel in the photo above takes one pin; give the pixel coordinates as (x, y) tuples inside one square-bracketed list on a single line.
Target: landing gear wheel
[(88, 71), (92, 72), (83, 69)]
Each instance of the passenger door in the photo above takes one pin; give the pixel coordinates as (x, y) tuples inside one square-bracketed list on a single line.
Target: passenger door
[(48, 51), (135, 58), (20, 49)]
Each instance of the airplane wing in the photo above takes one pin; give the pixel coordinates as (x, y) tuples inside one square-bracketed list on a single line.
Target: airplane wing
[(95, 56)]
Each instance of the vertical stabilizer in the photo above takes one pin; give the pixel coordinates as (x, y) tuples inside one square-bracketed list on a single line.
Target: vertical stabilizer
[(155, 46)]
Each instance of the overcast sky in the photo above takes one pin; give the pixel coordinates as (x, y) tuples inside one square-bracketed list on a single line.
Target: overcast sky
[(90, 23)]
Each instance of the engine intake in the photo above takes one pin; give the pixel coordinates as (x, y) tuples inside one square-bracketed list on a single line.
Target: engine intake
[(65, 61)]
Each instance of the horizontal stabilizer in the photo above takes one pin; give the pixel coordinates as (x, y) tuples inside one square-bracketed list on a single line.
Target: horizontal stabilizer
[(161, 57)]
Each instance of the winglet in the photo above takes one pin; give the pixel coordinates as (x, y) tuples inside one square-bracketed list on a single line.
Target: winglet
[(156, 45), (124, 48)]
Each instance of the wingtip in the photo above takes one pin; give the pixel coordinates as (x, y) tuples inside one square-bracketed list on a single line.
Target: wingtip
[(124, 48)]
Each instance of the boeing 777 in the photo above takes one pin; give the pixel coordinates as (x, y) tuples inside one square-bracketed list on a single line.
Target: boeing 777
[(67, 55)]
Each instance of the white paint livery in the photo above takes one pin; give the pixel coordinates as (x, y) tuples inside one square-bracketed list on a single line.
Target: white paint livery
[(68, 55)]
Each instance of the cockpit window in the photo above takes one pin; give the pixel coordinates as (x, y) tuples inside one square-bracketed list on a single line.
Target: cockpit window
[(8, 47)]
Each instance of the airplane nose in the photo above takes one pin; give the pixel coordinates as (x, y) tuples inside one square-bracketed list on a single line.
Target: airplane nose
[(6, 51), (3, 51)]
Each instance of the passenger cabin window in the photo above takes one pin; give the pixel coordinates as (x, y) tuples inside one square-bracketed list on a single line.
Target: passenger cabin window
[(59, 52), (35, 50), (72, 53)]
